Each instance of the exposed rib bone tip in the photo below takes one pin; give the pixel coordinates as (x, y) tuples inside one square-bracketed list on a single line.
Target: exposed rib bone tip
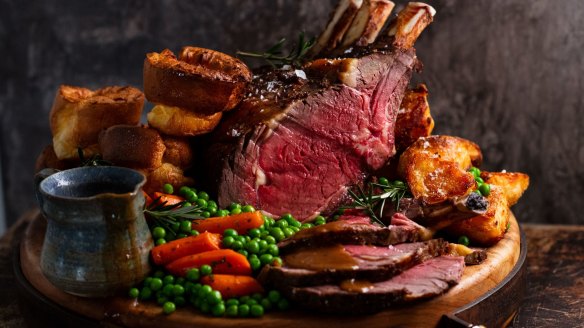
[(430, 9)]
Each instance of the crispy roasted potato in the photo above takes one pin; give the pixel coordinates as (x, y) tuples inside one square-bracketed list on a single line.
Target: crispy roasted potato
[(435, 168), (166, 173), (512, 184), (489, 228), (413, 118)]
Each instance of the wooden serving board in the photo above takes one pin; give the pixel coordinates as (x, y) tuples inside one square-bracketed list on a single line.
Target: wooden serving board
[(488, 294)]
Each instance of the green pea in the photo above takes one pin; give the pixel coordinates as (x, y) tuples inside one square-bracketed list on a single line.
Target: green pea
[(295, 229), (277, 233), (256, 310), (183, 190), (244, 299), (203, 195), (158, 232), (247, 209), (187, 204), (206, 214), (201, 202), (168, 279), (218, 310), (161, 300), (168, 289), (254, 233), (160, 241), (190, 196), (228, 241), (145, 293), (288, 232), (475, 172), (243, 310), (266, 304), (212, 210), (211, 203), (255, 263), (156, 284), (233, 206), (277, 261), (283, 304), (185, 226), (236, 245), (168, 307), (194, 233), (286, 217), (178, 290), (231, 310), (294, 223), (134, 292), (193, 274), (383, 181), (485, 189), (273, 250), (263, 245), (319, 220), (214, 297), (204, 291), (270, 239), (274, 296), (251, 302), (168, 189), (252, 247), (266, 258), (235, 211), (205, 269), (230, 233), (222, 213), (232, 301), (463, 240), (306, 226), (282, 223), (479, 181)]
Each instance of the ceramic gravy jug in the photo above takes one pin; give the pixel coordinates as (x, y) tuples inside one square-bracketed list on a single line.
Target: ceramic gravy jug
[(97, 241)]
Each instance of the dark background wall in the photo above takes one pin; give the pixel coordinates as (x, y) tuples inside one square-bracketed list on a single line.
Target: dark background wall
[(507, 74)]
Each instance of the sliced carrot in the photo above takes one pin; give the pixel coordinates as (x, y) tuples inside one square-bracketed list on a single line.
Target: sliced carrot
[(174, 250), (167, 199), (240, 222), (222, 261), (232, 285)]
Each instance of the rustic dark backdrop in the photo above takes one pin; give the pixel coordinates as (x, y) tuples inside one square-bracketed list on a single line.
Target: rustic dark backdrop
[(507, 74)]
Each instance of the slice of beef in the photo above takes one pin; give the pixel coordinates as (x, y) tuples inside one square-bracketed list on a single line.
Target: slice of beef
[(327, 266), (352, 231), (428, 279)]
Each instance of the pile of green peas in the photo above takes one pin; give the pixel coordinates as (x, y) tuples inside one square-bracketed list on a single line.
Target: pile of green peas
[(171, 292), (259, 244), (483, 188)]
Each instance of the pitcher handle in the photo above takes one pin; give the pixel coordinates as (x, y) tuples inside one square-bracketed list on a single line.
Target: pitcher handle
[(38, 178)]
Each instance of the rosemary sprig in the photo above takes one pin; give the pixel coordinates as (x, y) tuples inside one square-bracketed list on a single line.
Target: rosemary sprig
[(168, 215), (275, 55), (373, 201), (95, 160)]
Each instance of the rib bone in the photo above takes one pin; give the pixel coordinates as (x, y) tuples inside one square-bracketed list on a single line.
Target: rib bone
[(367, 23), (410, 22), (336, 27)]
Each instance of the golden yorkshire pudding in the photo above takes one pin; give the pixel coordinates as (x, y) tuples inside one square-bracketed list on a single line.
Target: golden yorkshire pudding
[(178, 122), (48, 159), (178, 152), (166, 173), (132, 146), (78, 116), (201, 80)]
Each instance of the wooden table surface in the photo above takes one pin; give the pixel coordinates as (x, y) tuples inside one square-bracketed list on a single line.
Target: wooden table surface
[(555, 287)]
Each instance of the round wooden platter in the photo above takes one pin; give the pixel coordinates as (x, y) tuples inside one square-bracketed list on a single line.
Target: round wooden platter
[(488, 294)]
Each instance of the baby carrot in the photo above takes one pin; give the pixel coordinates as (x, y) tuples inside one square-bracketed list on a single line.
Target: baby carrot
[(240, 222), (232, 285), (222, 261), (173, 250)]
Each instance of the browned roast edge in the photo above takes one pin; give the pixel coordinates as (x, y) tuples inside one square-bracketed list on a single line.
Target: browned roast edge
[(281, 278), (378, 236)]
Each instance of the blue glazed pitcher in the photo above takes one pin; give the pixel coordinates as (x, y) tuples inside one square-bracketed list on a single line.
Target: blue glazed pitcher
[(97, 240)]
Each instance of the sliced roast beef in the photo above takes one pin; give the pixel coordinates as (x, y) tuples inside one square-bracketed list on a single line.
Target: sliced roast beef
[(334, 264), (428, 279), (350, 231), (303, 135)]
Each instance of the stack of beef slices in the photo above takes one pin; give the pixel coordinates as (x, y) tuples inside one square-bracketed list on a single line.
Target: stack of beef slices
[(355, 266)]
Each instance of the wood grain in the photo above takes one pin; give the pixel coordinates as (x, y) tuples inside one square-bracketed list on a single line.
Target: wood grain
[(476, 281)]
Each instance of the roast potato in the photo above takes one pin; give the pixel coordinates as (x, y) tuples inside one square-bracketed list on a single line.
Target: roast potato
[(413, 118), (511, 184)]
